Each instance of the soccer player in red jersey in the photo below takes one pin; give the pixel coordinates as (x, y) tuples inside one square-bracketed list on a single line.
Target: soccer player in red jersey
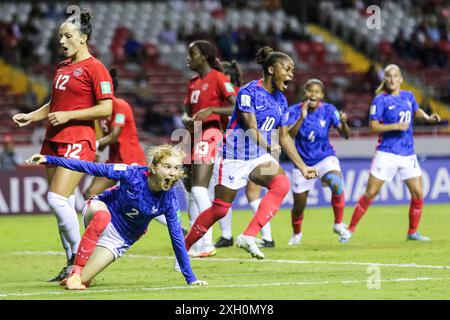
[(210, 95), (82, 91), (252, 191), (120, 134)]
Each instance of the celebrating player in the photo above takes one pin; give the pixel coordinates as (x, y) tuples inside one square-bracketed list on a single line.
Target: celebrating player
[(208, 94), (121, 136), (391, 116), (261, 106), (82, 91), (119, 216), (311, 122), (253, 191)]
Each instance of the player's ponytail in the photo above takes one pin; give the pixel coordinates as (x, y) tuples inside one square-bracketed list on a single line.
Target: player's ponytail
[(83, 23), (267, 57), (234, 71), (113, 73), (382, 87)]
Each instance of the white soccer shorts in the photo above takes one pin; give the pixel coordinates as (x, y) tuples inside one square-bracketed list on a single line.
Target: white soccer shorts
[(234, 174), (386, 165), (300, 184)]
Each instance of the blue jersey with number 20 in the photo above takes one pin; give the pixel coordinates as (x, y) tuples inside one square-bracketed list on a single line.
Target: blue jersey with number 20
[(387, 108)]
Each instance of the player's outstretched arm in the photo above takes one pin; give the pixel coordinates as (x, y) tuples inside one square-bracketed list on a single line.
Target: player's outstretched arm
[(111, 171), (178, 244)]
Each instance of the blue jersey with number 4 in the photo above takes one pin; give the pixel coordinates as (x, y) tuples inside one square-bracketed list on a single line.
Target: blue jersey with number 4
[(387, 108), (312, 140), (133, 204), (270, 110)]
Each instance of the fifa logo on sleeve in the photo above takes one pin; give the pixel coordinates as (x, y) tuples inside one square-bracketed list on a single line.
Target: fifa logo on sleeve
[(374, 279), (374, 20)]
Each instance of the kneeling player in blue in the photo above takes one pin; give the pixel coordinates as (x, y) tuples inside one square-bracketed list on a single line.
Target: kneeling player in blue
[(118, 217), (311, 122)]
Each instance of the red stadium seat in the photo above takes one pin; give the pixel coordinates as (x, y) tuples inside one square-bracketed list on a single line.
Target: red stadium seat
[(303, 49)]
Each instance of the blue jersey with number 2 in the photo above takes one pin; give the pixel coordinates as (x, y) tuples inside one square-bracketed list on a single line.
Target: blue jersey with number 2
[(270, 110), (387, 108), (133, 205)]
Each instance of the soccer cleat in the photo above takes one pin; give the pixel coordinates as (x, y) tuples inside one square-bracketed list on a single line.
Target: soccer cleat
[(417, 237), (74, 283), (203, 252), (267, 244), (296, 239), (250, 244), (344, 234), (64, 273), (224, 242)]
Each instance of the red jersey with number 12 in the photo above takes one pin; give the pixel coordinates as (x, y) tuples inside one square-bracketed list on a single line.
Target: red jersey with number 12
[(210, 91), (78, 86)]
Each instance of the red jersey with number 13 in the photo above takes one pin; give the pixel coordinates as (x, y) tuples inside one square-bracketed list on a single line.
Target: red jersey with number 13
[(78, 86), (210, 91)]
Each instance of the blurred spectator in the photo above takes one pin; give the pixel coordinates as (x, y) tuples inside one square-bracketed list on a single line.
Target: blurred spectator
[(226, 45), (30, 100), (9, 159), (168, 34), (144, 96), (134, 50)]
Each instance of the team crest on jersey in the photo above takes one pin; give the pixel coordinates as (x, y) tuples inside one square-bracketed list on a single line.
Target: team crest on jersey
[(205, 86), (322, 123), (78, 72)]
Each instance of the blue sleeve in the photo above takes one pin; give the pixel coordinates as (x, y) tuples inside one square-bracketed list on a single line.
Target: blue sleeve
[(334, 115), (111, 171), (177, 237), (377, 109), (245, 101), (293, 114), (285, 111), (414, 104)]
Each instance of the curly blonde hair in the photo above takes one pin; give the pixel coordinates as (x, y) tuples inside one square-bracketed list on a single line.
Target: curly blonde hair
[(157, 154)]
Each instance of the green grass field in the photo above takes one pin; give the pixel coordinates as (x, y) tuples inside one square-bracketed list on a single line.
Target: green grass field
[(320, 268)]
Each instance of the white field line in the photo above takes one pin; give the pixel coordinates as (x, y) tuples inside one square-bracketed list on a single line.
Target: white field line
[(137, 256), (186, 287)]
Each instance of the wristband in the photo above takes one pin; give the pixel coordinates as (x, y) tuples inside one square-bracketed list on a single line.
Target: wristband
[(96, 145)]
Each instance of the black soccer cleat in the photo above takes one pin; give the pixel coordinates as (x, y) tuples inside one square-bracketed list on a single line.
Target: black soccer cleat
[(224, 242), (268, 244), (64, 273)]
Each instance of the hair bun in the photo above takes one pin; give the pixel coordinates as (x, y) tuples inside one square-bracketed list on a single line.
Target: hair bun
[(262, 54), (85, 17)]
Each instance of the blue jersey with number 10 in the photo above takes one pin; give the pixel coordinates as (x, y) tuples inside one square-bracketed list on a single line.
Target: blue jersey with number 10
[(270, 110), (387, 108)]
